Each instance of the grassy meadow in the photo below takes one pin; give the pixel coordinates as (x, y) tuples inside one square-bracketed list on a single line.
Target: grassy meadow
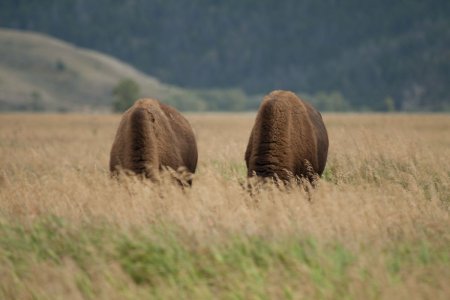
[(376, 227)]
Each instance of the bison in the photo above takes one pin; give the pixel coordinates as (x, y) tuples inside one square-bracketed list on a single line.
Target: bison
[(288, 140), (153, 136)]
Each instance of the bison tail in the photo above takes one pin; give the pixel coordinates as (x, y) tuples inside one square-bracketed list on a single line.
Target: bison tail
[(143, 148)]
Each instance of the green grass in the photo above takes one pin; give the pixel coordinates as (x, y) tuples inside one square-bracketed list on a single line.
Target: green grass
[(162, 262), (230, 170)]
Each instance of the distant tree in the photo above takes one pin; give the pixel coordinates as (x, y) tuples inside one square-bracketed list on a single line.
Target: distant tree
[(37, 104), (60, 65), (125, 93), (223, 99), (389, 104), (333, 101)]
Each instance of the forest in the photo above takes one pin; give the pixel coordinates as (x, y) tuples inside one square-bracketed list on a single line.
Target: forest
[(351, 55)]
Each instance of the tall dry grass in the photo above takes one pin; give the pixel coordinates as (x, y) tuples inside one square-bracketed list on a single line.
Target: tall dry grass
[(387, 180), (384, 174)]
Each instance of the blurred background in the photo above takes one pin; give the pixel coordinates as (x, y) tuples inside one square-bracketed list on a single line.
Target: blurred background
[(199, 55)]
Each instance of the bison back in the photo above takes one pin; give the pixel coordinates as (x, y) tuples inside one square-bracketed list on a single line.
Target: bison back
[(152, 136), (288, 139)]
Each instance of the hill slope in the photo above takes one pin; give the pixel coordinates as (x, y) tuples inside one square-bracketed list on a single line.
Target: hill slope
[(372, 52), (42, 73)]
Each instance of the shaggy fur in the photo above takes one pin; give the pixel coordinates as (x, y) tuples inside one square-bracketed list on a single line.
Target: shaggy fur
[(288, 139), (153, 136)]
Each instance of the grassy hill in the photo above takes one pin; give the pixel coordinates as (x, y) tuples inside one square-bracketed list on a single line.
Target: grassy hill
[(38, 72), (378, 55)]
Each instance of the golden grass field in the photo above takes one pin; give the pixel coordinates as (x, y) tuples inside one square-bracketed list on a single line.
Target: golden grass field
[(384, 199)]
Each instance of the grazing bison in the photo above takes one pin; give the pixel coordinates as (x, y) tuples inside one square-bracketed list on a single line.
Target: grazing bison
[(153, 136), (288, 140)]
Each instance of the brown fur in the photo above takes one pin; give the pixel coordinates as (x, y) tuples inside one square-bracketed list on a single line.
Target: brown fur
[(288, 139), (153, 136)]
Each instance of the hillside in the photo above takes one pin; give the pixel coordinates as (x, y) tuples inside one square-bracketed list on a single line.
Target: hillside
[(378, 55), (38, 72)]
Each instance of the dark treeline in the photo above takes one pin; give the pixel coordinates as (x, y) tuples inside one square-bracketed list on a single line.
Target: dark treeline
[(378, 55)]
